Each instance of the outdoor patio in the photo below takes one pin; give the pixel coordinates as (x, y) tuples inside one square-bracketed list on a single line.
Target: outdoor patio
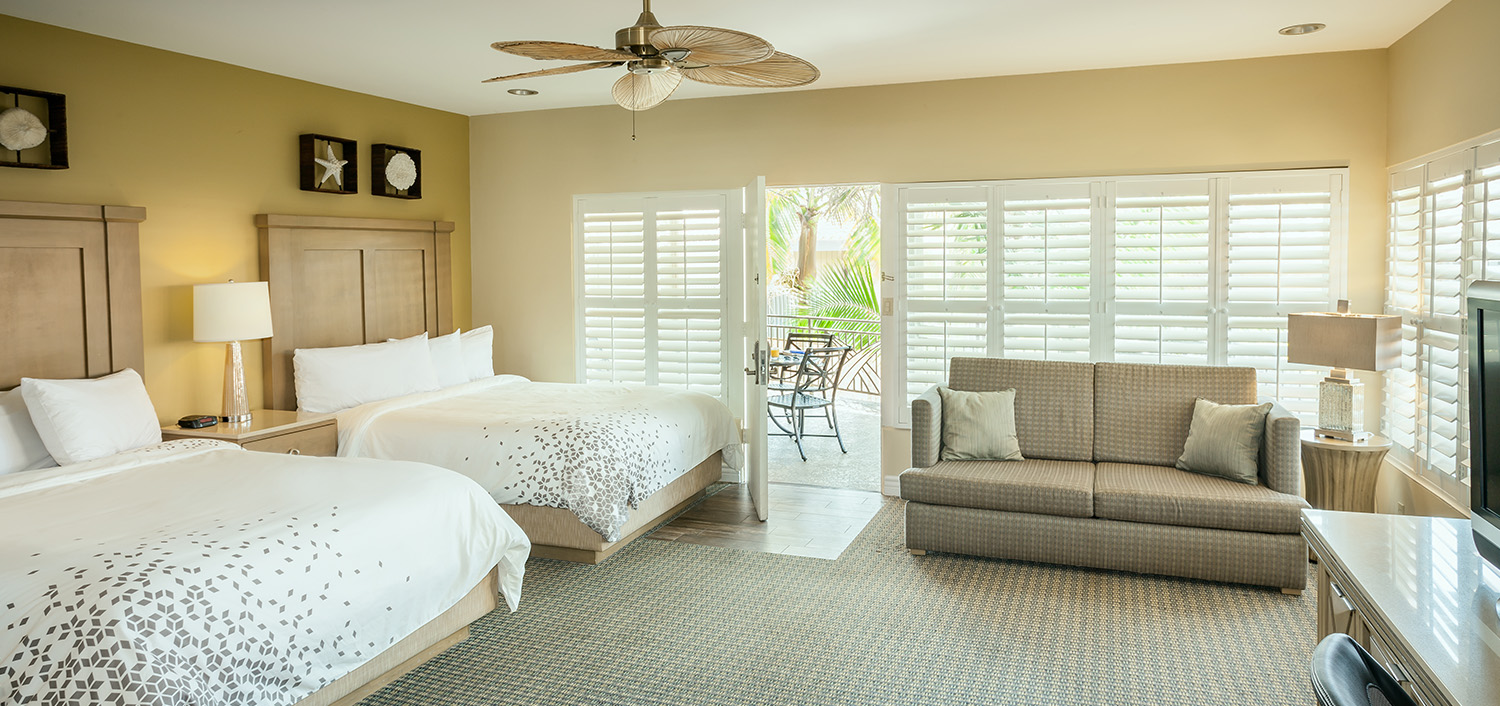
[(859, 421)]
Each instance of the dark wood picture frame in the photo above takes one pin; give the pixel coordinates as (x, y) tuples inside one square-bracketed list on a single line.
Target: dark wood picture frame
[(53, 107), (380, 154), (311, 146)]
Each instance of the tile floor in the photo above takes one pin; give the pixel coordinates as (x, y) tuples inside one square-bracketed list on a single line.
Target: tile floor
[(804, 520)]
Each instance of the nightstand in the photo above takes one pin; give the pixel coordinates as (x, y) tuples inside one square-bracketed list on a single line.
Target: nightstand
[(1341, 474), (273, 430)]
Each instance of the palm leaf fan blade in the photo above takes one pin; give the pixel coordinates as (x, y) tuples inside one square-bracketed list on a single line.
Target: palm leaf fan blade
[(556, 71), (779, 71), (712, 46), (563, 51), (643, 91)]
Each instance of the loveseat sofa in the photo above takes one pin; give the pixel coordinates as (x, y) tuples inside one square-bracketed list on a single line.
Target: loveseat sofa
[(1098, 486)]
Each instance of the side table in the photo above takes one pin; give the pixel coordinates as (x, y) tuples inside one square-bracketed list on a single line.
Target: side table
[(1341, 474)]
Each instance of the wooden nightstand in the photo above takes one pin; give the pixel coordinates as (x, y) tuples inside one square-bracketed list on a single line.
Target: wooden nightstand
[(1341, 474), (272, 430)]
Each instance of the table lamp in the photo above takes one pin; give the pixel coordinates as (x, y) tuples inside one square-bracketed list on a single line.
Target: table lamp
[(1341, 340), (229, 313)]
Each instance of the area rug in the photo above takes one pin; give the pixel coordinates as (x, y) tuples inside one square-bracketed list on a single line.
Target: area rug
[(675, 623)]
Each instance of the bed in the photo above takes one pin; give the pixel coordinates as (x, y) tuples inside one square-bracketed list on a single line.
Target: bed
[(197, 571), (350, 281)]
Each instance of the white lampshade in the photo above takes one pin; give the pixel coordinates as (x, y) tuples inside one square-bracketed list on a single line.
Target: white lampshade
[(232, 311)]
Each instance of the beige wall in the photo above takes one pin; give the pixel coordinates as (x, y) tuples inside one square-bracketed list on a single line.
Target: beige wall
[(1317, 110), (205, 146), (1443, 87)]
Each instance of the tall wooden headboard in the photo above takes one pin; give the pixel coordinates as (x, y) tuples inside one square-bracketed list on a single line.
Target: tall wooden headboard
[(348, 281), (70, 290)]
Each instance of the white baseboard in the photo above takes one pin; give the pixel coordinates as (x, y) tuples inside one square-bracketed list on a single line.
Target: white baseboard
[(891, 485), (731, 476)]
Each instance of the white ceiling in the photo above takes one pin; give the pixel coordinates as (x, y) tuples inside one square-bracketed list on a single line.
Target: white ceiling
[(436, 52)]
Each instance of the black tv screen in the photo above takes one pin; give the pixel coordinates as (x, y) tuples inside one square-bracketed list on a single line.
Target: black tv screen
[(1483, 307)]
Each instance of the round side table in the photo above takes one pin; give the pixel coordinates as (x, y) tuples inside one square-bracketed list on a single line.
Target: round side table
[(1341, 474)]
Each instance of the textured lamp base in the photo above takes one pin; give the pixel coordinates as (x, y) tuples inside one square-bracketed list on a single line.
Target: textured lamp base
[(236, 397), (1341, 403)]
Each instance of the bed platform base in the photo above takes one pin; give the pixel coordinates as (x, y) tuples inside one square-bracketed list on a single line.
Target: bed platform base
[(556, 533), (430, 640)]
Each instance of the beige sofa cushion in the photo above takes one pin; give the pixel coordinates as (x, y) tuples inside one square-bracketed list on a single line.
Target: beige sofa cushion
[(979, 426), (1167, 496), (1144, 411), (1054, 402), (1038, 486)]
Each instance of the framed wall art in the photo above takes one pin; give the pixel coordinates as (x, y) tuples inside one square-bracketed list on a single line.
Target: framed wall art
[(33, 129), (396, 171), (328, 164)]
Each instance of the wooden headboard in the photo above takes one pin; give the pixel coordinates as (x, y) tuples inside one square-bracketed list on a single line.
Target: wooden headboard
[(348, 281), (70, 291)]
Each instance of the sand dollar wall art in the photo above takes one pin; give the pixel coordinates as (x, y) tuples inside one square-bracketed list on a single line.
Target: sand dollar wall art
[(33, 129), (395, 171)]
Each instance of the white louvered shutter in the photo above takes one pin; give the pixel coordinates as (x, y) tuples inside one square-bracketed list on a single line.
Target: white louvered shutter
[(945, 279), (656, 279), (1403, 298), (1281, 260), (613, 279), (1163, 258), (1044, 300), (1440, 336)]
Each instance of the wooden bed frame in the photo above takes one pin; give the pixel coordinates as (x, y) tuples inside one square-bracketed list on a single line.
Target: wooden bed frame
[(348, 281), (72, 309)]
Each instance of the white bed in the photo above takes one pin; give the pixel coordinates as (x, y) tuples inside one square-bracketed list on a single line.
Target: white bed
[(596, 450), (198, 571)]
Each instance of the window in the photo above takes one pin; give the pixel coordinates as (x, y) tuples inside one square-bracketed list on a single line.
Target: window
[(1191, 269), (658, 278), (1444, 233)]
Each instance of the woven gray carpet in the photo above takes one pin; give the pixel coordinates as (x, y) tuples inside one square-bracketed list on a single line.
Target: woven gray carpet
[(677, 623)]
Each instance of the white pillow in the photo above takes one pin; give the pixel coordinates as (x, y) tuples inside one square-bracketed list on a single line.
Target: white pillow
[(334, 379), (81, 420), (479, 352), (20, 447), (447, 358)]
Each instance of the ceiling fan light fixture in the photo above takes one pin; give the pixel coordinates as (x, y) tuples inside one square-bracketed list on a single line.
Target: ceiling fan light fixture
[(1299, 30), (675, 55)]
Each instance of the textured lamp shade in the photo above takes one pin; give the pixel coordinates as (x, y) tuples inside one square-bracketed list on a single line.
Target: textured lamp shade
[(1346, 341), (232, 311)]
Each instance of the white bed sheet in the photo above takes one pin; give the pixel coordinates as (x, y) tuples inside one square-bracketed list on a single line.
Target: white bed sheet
[(597, 450), (197, 572)]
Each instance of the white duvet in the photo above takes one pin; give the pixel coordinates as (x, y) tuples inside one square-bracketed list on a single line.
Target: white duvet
[(597, 450), (195, 572)]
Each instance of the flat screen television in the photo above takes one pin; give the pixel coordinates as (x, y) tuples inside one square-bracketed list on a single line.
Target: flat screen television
[(1483, 306)]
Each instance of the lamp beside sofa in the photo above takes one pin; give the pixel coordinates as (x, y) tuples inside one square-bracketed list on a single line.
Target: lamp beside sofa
[(1099, 486)]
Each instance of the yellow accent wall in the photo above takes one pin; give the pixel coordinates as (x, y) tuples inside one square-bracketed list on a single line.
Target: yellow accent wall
[(204, 146), (1444, 87)]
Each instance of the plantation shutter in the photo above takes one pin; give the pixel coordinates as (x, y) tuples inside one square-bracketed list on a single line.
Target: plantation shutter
[(1044, 271), (655, 279), (1163, 256), (1281, 260), (1440, 335), (944, 236), (1403, 298)]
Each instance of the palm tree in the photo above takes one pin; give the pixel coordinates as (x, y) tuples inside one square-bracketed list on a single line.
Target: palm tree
[(797, 211)]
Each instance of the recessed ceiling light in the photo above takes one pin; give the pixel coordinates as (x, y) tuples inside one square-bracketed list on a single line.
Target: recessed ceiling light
[(1296, 30), (522, 92)]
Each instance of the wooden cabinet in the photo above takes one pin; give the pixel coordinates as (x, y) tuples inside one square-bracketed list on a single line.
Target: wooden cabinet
[(273, 431)]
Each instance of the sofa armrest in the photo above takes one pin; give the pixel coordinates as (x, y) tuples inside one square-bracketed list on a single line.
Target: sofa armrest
[(926, 428), (1281, 451)]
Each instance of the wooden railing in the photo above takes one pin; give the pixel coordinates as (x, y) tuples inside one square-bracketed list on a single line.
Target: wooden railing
[(862, 368)]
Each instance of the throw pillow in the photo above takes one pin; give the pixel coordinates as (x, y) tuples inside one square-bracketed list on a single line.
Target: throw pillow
[(1224, 440), (979, 426)]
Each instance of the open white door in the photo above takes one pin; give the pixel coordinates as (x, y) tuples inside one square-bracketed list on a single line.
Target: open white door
[(757, 371)]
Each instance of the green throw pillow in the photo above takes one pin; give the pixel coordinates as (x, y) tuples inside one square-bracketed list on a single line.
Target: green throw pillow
[(979, 426), (1224, 440)]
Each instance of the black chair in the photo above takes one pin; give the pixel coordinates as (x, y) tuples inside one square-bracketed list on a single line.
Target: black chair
[(815, 389), (1344, 674)]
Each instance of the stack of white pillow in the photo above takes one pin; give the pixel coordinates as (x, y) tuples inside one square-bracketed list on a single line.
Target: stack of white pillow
[(44, 423), (334, 379)]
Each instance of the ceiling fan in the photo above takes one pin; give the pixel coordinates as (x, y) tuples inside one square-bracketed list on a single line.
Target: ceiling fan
[(657, 58)]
